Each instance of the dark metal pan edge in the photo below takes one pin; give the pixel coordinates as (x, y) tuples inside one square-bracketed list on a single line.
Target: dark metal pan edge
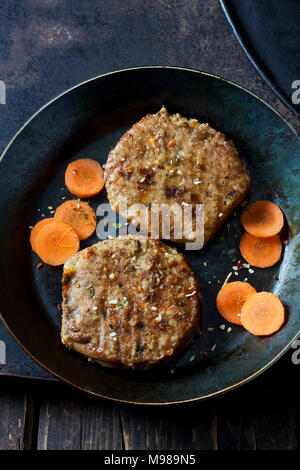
[(193, 400), (253, 59)]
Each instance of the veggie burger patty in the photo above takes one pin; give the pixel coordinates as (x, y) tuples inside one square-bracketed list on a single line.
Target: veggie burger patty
[(167, 158), (129, 301)]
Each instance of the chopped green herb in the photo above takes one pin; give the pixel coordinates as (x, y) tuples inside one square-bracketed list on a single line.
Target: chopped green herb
[(117, 225), (147, 203), (111, 326), (168, 175), (89, 286), (74, 280), (142, 179), (92, 292), (85, 216)]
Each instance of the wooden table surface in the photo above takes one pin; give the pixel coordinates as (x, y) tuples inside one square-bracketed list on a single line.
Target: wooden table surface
[(46, 48)]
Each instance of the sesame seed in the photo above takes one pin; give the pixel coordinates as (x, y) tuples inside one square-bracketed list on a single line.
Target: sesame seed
[(214, 347), (221, 214), (226, 280), (95, 308), (192, 358), (113, 302), (172, 371), (153, 308), (251, 271), (113, 334), (229, 329), (112, 276), (236, 273), (222, 327), (210, 329), (235, 268), (189, 295)]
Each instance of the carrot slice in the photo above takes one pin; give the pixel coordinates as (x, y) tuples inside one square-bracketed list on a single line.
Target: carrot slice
[(56, 242), (35, 230), (79, 215), (263, 314), (84, 177), (262, 219), (260, 252), (231, 298)]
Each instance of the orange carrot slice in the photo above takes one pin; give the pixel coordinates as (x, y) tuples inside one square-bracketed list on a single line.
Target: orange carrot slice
[(79, 215), (84, 177), (260, 252), (263, 314), (56, 242), (35, 230), (262, 219), (231, 298)]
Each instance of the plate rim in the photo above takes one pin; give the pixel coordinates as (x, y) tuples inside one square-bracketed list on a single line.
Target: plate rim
[(119, 400)]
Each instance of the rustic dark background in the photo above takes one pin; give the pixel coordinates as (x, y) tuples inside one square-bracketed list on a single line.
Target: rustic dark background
[(46, 47)]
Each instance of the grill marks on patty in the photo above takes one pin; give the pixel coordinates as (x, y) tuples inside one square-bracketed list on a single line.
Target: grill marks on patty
[(135, 317)]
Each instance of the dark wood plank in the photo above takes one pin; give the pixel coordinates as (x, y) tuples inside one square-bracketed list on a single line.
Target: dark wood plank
[(236, 428), (259, 420), (277, 423), (12, 417), (184, 427), (71, 420), (101, 427)]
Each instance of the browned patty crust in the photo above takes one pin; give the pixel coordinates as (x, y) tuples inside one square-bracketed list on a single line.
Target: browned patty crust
[(167, 158), (130, 301)]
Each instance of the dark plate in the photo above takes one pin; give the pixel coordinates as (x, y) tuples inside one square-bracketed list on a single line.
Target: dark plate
[(268, 32), (86, 121)]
